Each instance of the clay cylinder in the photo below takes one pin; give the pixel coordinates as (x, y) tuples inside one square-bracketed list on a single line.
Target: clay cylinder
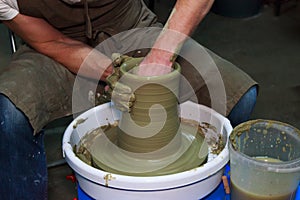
[(153, 122)]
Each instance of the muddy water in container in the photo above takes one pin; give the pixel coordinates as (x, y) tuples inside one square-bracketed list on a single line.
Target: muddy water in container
[(264, 161)]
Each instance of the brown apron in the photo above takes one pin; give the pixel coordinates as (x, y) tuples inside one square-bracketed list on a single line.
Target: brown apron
[(90, 21), (42, 88)]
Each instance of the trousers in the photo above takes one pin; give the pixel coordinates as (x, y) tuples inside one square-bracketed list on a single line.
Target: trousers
[(23, 169)]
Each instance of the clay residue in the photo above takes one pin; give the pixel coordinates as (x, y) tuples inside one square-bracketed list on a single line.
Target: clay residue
[(107, 178), (215, 143), (241, 129), (241, 136), (79, 121)]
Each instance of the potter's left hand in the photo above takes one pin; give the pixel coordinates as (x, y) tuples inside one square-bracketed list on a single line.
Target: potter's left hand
[(121, 94)]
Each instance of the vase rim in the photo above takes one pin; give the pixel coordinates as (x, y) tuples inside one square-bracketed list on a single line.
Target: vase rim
[(173, 74)]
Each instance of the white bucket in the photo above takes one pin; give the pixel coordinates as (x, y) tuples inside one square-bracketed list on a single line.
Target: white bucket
[(192, 184)]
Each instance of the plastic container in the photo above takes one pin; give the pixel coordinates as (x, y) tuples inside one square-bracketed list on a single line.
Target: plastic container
[(264, 161), (192, 184)]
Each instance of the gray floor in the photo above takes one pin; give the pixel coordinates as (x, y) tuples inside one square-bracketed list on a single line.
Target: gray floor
[(264, 46)]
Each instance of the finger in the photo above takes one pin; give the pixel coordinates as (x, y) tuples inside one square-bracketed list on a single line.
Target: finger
[(107, 88), (122, 89), (116, 59), (132, 98), (123, 103), (122, 107), (112, 80), (123, 97), (130, 63)]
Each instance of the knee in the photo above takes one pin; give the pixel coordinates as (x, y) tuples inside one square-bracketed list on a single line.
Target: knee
[(248, 100), (242, 110), (7, 109), (250, 95), (10, 116)]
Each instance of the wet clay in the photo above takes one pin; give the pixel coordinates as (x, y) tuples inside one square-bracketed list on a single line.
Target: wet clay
[(152, 139), (94, 150), (153, 122), (121, 162)]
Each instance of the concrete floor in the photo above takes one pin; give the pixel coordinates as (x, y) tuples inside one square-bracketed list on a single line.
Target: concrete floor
[(264, 46)]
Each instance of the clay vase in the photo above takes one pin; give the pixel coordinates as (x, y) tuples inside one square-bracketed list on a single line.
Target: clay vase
[(153, 122)]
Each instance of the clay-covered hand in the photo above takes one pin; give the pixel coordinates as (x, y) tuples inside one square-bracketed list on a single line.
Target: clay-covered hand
[(157, 62), (121, 94)]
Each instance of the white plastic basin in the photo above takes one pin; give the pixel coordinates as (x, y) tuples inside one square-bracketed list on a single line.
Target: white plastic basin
[(192, 184)]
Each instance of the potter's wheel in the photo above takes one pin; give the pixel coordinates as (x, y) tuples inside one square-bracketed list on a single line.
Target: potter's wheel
[(107, 156), (190, 184)]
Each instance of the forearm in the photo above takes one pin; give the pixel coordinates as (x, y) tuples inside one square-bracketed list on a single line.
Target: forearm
[(187, 14), (77, 57), (185, 17), (52, 43)]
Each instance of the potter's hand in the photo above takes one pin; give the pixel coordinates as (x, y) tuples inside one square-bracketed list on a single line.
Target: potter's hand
[(157, 62), (121, 94)]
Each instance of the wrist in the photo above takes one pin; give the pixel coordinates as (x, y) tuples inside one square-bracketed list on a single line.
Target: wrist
[(161, 57)]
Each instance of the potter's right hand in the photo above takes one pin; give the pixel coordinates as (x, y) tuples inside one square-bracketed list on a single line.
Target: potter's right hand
[(157, 62), (121, 94)]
